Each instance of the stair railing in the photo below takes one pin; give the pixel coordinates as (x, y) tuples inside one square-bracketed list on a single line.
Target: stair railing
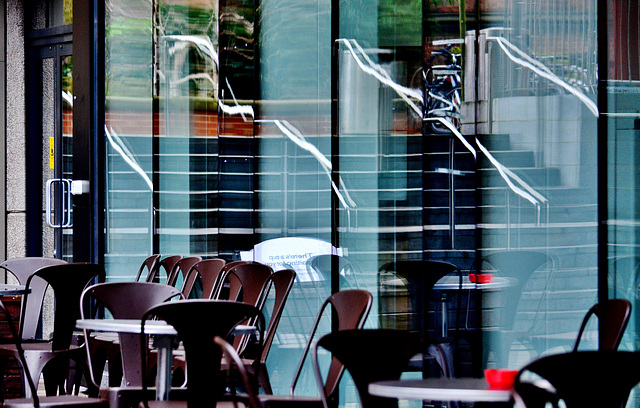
[(411, 96)]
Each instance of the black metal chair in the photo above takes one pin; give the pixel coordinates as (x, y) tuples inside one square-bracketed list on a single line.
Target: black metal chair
[(124, 300), (352, 308), (50, 357), (419, 277), (369, 355), (519, 266), (197, 323), (22, 269), (613, 315), (151, 265), (601, 379), (35, 400)]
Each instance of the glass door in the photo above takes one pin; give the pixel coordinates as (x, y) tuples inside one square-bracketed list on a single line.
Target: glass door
[(50, 119)]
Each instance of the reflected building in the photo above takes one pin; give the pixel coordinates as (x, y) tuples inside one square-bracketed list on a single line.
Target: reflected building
[(215, 128)]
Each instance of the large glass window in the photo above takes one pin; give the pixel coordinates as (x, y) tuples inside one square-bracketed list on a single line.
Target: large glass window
[(416, 139), (536, 134)]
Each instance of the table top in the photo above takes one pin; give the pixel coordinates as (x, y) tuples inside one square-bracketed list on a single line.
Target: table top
[(440, 389), (452, 282), (126, 326), (7, 289), (133, 326)]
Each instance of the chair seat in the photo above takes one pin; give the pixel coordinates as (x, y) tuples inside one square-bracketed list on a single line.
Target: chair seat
[(56, 401)]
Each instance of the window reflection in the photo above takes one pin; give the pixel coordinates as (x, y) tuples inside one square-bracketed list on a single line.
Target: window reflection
[(470, 144)]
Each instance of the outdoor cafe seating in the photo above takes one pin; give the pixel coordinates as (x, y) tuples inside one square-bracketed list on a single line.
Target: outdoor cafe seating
[(220, 340)]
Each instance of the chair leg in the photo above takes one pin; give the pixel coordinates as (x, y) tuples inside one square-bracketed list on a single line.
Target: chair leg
[(263, 379), (3, 367)]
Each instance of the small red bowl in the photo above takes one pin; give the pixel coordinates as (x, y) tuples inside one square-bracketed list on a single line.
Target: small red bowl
[(500, 378), (472, 277), (484, 277)]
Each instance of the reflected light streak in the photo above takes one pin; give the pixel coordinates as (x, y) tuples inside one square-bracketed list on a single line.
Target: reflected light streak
[(202, 43), (296, 137), (381, 75), (540, 69), (121, 149)]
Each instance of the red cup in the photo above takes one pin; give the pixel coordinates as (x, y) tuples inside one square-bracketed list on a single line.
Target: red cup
[(472, 277), (500, 378), (484, 277)]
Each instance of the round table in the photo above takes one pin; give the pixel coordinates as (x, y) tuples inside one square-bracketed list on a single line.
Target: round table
[(440, 389), (7, 289), (163, 333)]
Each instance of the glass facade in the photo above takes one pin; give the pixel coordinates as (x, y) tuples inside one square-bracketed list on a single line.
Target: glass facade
[(401, 137)]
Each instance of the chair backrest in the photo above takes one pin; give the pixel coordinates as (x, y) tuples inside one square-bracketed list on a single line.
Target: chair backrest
[(520, 265), (67, 281), (232, 264), (322, 264), (282, 282), (582, 379), (369, 355), (22, 269), (613, 315), (208, 274), (150, 264), (198, 322), (165, 264), (351, 307), (248, 282), (127, 300), (181, 269)]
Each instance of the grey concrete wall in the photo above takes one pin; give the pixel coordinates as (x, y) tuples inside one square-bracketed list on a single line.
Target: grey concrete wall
[(15, 130)]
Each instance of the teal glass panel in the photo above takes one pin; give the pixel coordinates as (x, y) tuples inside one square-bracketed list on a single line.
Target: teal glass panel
[(293, 190), (128, 131), (535, 125)]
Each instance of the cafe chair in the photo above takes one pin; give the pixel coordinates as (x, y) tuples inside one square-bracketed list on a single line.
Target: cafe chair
[(281, 284), (320, 265), (418, 278), (247, 283), (518, 266), (124, 300), (150, 264), (198, 322), (613, 315), (35, 400), (165, 264), (180, 269), (351, 307), (234, 364), (22, 269), (602, 379), (203, 279), (368, 355), (50, 357)]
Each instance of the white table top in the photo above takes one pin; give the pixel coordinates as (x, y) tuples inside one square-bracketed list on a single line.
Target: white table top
[(440, 389), (452, 282), (7, 289), (133, 326), (126, 326)]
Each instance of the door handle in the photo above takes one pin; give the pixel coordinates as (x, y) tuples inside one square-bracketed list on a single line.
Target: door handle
[(65, 190)]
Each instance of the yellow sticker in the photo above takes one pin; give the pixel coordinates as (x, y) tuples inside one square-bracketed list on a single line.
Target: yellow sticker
[(52, 156)]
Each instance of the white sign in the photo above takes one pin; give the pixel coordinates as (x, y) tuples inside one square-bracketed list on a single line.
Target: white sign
[(291, 253)]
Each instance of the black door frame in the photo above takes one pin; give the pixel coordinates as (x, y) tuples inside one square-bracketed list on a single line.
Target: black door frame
[(88, 125), (41, 44)]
